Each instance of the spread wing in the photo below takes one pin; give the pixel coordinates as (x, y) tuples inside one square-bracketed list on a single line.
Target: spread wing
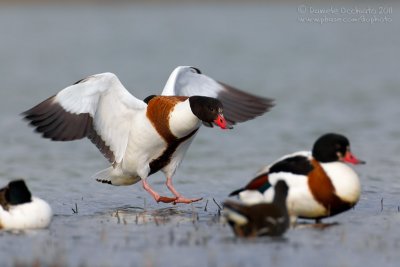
[(239, 106), (97, 107)]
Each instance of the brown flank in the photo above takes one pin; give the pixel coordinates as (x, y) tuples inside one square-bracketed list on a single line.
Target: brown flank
[(324, 192)]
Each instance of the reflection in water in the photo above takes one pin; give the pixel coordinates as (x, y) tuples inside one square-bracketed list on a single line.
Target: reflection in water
[(138, 215)]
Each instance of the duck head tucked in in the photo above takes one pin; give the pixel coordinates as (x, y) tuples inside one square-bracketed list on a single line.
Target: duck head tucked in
[(20, 210), (17, 193)]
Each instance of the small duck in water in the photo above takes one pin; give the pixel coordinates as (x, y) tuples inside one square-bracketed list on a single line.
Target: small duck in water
[(20, 210)]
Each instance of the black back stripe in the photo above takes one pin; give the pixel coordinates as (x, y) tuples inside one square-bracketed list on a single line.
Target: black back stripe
[(147, 99), (297, 165)]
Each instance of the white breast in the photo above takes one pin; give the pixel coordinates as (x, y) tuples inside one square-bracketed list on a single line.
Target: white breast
[(144, 145), (182, 121), (344, 179)]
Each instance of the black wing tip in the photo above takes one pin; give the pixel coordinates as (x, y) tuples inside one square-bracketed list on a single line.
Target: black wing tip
[(52, 121), (266, 104), (269, 103), (38, 109), (104, 181), (242, 106), (236, 192), (24, 114), (240, 92)]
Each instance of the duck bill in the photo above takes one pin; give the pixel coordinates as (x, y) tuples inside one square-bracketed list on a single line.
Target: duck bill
[(350, 158), (221, 122)]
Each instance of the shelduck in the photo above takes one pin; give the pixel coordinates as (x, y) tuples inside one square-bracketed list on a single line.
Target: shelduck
[(138, 137), (20, 210), (320, 182)]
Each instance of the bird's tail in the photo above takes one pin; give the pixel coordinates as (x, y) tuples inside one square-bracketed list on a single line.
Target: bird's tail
[(259, 183), (236, 192), (115, 176)]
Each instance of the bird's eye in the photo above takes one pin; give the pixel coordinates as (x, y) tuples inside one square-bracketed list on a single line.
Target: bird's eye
[(211, 109)]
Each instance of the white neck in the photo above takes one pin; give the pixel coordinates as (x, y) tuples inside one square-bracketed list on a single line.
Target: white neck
[(344, 179), (182, 121)]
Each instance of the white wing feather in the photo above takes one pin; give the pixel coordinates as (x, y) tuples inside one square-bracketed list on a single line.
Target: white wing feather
[(183, 81), (102, 96), (239, 106)]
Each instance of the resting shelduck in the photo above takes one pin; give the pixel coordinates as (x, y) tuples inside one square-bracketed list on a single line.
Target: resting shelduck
[(251, 220), (320, 183), (20, 210), (139, 137)]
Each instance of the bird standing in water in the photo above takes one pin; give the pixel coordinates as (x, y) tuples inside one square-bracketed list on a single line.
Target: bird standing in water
[(320, 182), (138, 137)]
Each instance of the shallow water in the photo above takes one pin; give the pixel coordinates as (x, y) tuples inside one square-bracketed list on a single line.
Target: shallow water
[(339, 77)]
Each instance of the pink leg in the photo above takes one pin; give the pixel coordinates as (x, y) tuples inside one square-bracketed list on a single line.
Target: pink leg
[(155, 195), (179, 197)]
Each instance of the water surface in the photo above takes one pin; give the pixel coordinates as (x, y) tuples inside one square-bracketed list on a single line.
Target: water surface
[(339, 77)]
